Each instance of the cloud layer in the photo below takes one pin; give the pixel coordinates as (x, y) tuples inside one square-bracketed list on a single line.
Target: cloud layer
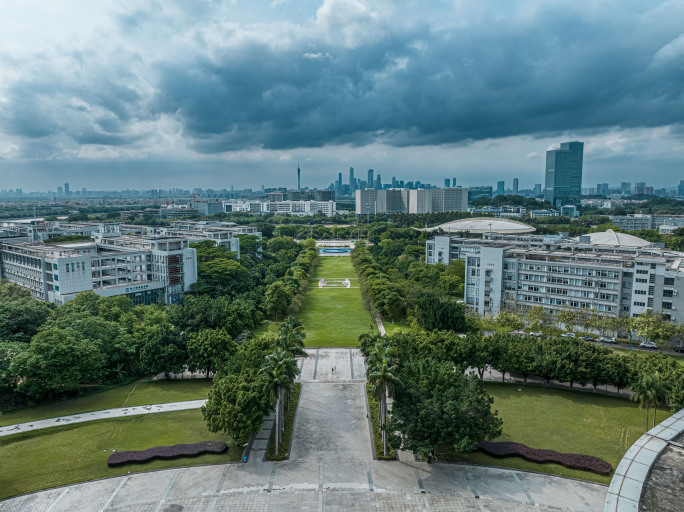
[(137, 81)]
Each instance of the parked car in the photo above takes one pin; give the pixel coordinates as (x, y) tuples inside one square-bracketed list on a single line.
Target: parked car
[(607, 339), (568, 335), (538, 334), (587, 338), (680, 348), (648, 344)]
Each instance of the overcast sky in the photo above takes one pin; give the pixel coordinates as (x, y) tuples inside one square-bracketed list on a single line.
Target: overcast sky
[(145, 94)]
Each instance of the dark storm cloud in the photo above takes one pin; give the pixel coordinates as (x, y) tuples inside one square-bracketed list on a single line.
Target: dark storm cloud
[(420, 86), (392, 81)]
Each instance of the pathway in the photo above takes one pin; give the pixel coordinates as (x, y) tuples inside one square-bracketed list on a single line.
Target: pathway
[(8, 430)]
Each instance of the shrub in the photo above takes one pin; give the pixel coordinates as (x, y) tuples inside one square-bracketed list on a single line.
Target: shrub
[(166, 452), (568, 460)]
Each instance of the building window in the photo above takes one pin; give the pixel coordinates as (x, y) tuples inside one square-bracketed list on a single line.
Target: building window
[(667, 305), (669, 281)]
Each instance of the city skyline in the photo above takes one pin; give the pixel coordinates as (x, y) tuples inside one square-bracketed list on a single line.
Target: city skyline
[(113, 95)]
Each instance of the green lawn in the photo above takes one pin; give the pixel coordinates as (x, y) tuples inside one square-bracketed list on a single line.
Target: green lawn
[(133, 394), (334, 317), (391, 328), (564, 421), (79, 452)]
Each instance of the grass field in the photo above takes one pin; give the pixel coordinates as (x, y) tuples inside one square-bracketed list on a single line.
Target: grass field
[(564, 421), (334, 317), (391, 328), (133, 394), (79, 452)]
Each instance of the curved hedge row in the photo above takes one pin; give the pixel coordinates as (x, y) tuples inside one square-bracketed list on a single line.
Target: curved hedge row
[(166, 452), (568, 460)]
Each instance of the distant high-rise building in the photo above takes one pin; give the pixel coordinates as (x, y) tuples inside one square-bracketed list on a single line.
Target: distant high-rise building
[(352, 181), (66, 189), (640, 189), (338, 185), (299, 177), (537, 189), (515, 186), (564, 173), (447, 182), (626, 187), (453, 182), (60, 191), (500, 188), (680, 188), (378, 182), (370, 178), (475, 192), (602, 189)]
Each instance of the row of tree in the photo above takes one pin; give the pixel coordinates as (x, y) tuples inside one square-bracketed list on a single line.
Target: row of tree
[(435, 404), (650, 325), (256, 381), (428, 294), (287, 293)]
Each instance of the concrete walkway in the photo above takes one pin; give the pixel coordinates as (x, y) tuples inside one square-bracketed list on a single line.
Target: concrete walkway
[(325, 485), (100, 415)]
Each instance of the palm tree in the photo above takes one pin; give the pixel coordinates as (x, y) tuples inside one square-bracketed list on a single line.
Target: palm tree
[(368, 339), (384, 382), (281, 370), (646, 393), (661, 388), (291, 336)]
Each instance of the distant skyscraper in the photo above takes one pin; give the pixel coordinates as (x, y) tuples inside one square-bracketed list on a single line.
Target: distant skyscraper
[(370, 178), (338, 188), (447, 182), (66, 189), (453, 182), (378, 182), (60, 191), (602, 189), (626, 187), (680, 188), (299, 177), (564, 173), (352, 181), (537, 189), (515, 186), (500, 188)]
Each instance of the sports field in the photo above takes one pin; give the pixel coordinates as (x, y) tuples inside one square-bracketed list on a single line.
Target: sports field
[(334, 316)]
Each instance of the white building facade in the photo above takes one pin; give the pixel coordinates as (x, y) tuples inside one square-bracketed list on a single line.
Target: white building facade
[(553, 272), (145, 269)]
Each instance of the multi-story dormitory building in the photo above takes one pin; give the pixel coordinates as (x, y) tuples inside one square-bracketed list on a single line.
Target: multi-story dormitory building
[(614, 274), (147, 269)]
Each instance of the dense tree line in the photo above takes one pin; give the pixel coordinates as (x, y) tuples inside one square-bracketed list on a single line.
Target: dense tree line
[(426, 294)]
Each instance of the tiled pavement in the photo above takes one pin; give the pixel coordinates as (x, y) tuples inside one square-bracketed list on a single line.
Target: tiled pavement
[(320, 485)]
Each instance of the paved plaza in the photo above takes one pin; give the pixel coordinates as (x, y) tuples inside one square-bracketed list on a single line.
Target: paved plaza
[(331, 468), (320, 485)]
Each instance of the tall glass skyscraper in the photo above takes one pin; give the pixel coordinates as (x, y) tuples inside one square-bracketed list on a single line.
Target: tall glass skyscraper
[(564, 173)]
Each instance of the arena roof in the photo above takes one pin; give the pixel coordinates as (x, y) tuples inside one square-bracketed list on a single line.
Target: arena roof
[(612, 238), (485, 225)]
